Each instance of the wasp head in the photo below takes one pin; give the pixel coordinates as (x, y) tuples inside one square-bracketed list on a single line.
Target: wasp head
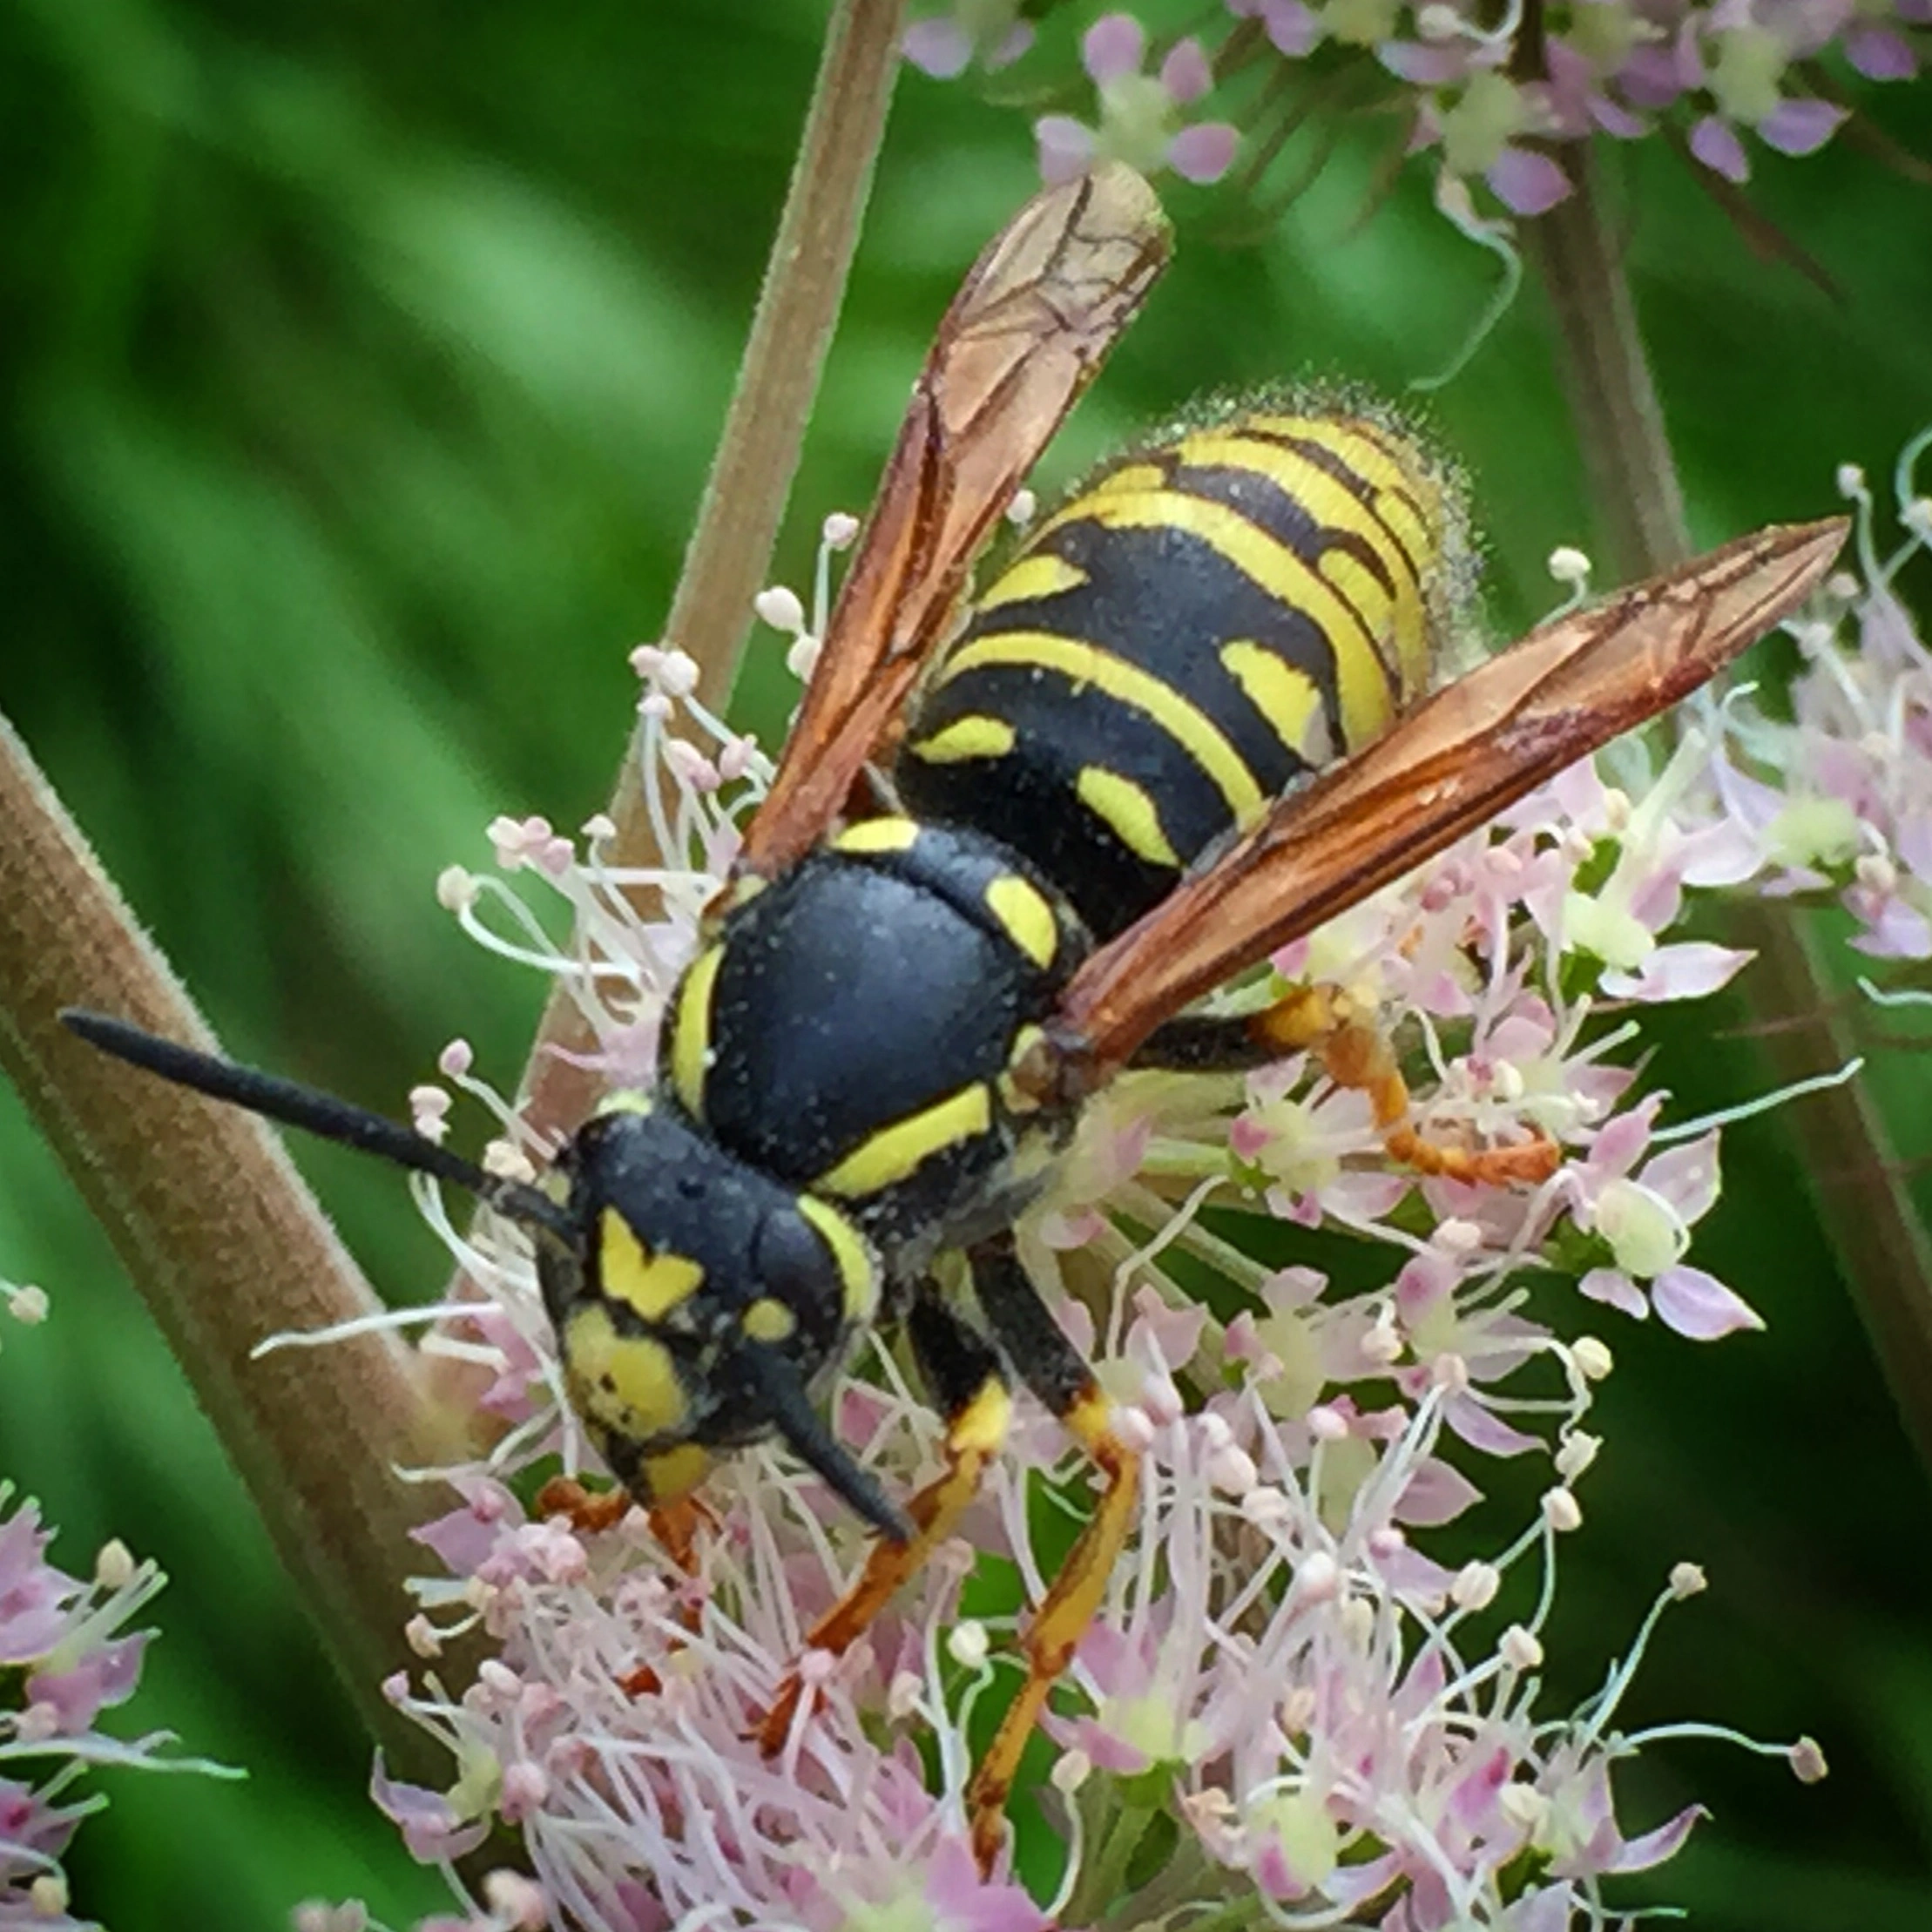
[(705, 1306)]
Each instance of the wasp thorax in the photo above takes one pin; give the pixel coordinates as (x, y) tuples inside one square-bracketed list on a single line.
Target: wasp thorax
[(708, 1301)]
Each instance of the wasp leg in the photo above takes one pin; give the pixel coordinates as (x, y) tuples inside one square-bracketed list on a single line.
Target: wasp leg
[(962, 1374), (1354, 1053), (1032, 1341), (675, 1525)]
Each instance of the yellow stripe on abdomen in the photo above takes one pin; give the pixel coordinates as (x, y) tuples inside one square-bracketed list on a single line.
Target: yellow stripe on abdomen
[(1333, 506), (1086, 665), (1129, 811), (1368, 701)]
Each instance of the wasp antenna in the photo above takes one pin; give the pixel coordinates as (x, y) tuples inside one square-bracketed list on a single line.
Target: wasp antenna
[(323, 1114), (781, 1393)]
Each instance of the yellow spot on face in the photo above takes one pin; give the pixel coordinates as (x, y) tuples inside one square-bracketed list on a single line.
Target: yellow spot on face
[(857, 1276), (1284, 694), (676, 1472), (651, 1285), (973, 736), (1087, 666), (981, 1428), (877, 835), (769, 1320), (1036, 576), (690, 1030), (1027, 919), (897, 1152), (1128, 811), (627, 1384)]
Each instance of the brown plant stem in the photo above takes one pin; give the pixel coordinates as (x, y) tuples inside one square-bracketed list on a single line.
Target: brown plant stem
[(223, 1242), (729, 556), (1638, 505), (1635, 496)]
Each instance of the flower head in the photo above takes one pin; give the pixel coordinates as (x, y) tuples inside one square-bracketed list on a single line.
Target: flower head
[(1141, 118), (65, 1657)]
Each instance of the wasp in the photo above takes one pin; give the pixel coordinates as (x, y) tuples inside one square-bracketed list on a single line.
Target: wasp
[(1190, 721)]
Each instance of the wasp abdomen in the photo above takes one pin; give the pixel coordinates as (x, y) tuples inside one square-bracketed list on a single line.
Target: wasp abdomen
[(1210, 620)]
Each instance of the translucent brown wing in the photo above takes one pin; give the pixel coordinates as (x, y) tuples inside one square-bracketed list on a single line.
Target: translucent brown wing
[(1023, 337), (1446, 767)]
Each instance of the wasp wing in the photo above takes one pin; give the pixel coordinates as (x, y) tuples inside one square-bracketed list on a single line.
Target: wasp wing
[(1447, 767), (1025, 334)]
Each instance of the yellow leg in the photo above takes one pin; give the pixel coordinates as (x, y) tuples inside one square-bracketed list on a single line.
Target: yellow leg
[(1063, 1617), (973, 1438), (1355, 1053)]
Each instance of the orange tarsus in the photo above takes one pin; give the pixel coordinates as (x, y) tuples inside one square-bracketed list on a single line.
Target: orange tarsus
[(588, 1511), (676, 1525), (934, 1511), (1356, 1054), (1062, 1619)]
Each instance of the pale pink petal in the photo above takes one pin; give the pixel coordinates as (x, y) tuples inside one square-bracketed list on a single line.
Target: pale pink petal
[(1526, 182), (1688, 971), (1650, 76), (940, 47), (1203, 154), (1879, 54), (1008, 50), (1113, 47), (1548, 1909), (1801, 126), (1722, 854), (1423, 63), (1698, 1307), (1292, 27), (964, 1902), (1653, 1847), (1893, 932), (1186, 73), (1065, 147), (1437, 1493), (1483, 1429), (1715, 143), (1614, 1288), (1687, 1177), (1616, 121)]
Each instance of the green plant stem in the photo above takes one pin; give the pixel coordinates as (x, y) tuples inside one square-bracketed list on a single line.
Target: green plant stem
[(223, 1242), (1638, 503), (728, 559)]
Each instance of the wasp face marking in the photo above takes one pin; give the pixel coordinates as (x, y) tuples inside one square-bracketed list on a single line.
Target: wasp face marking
[(702, 1280)]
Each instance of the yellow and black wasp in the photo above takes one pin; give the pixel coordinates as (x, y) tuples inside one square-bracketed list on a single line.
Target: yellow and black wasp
[(1189, 722)]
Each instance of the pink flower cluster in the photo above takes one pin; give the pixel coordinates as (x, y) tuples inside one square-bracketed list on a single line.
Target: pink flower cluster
[(1300, 1661), (1837, 795), (63, 1661), (1713, 71)]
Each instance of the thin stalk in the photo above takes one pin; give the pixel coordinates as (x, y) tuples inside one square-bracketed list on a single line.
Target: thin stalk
[(1636, 499), (224, 1243), (1638, 505), (728, 559)]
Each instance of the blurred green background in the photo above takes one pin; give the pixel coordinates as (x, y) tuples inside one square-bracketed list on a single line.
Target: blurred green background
[(363, 365)]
